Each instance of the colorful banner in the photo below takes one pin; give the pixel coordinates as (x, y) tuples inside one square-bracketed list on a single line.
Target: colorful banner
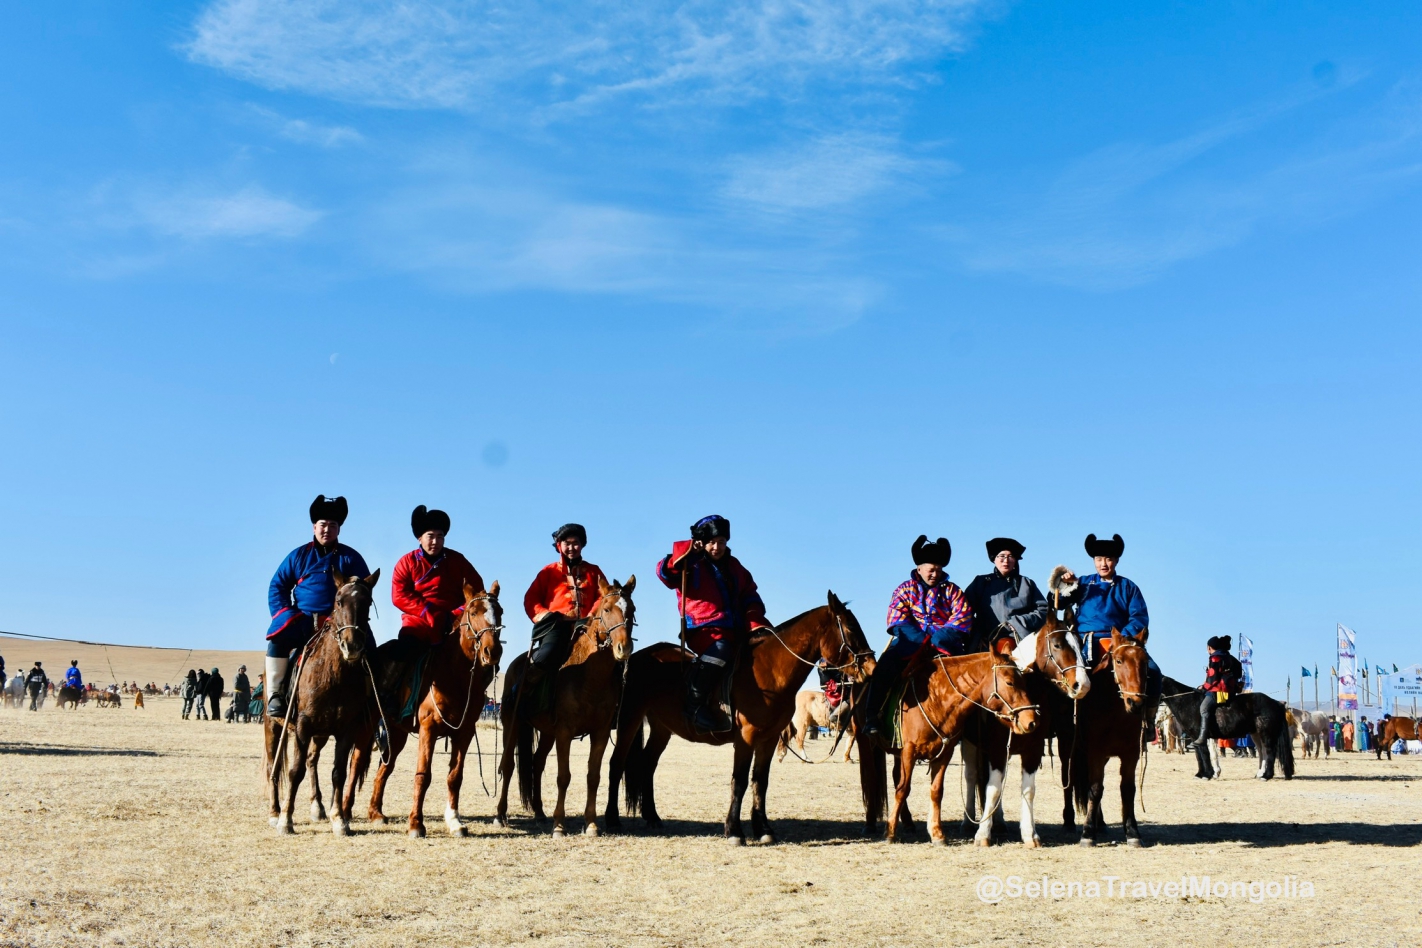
[(1347, 668), (1246, 662)]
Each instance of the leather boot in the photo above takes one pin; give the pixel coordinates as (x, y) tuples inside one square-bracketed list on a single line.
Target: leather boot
[(703, 695), (276, 686)]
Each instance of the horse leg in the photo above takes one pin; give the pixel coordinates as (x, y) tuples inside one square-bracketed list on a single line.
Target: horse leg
[(970, 777), (339, 825), (905, 817), (376, 813), (313, 761), (272, 733), (1128, 799), (937, 768), (903, 780), (848, 744), (293, 778), (540, 761), (983, 837), (565, 777), (506, 771), (424, 758), (597, 745), (1027, 820), (760, 783), (740, 779), (1092, 824), (657, 742), (458, 754)]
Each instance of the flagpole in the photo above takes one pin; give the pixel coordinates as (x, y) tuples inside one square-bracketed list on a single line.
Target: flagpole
[(1288, 689), (1315, 689)]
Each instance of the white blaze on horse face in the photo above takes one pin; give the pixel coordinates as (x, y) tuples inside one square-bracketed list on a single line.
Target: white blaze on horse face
[(1026, 652), (994, 796), (1029, 795), (1082, 678)]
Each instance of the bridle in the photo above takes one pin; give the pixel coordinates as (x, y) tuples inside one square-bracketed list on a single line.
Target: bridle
[(1124, 644), (856, 659), (603, 636), (466, 621), (335, 630), (1051, 655), (1010, 716)]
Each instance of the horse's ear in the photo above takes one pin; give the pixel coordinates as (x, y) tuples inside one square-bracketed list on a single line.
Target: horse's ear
[(630, 585), (602, 586), (494, 590), (1115, 636), (339, 577), (469, 593), (1145, 634), (834, 603), (1004, 646), (372, 579)]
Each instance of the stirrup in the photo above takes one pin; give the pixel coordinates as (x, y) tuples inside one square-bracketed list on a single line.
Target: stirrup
[(276, 707), (711, 720)]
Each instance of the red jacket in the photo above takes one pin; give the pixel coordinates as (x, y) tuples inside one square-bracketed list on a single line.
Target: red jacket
[(552, 592), (718, 595), (431, 595), (1223, 673)]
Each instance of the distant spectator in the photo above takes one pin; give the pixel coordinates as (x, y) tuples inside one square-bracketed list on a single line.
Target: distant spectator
[(214, 692), (201, 706), (242, 695), (36, 682), (190, 691)]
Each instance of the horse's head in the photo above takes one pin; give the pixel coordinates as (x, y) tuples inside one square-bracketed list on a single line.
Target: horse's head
[(1058, 656), (613, 617), (846, 647), (1127, 656), (350, 616), (480, 624), (1005, 690)]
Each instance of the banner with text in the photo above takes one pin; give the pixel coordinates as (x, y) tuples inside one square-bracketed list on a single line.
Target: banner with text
[(1347, 668)]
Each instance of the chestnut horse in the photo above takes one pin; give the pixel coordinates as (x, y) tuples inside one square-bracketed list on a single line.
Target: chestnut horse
[(1391, 729), (773, 664), (1055, 677), (939, 702), (1111, 725), (586, 692), (332, 696), (457, 678)]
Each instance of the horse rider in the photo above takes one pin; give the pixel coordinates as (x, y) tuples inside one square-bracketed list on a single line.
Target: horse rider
[(719, 604), (1106, 600), (73, 678), (926, 610), (562, 593), (832, 683), (303, 591), (1224, 677), (242, 695), (1004, 601), (428, 589), (35, 683)]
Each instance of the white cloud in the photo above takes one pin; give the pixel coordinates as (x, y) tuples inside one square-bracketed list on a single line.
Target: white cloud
[(249, 212), (824, 173), (308, 133), (468, 54)]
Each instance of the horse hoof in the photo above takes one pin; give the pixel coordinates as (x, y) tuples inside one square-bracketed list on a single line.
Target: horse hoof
[(1087, 842), (735, 841), (983, 841), (591, 830), (1034, 843), (286, 829), (340, 829), (273, 821), (377, 820), (1133, 843), (937, 841), (417, 832), (558, 832), (318, 813), (767, 838)]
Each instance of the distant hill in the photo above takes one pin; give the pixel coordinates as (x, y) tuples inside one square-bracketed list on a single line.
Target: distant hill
[(112, 663)]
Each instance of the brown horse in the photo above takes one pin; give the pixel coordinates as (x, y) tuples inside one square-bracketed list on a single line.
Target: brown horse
[(332, 696), (71, 696), (1112, 725), (773, 665), (1055, 677), (1391, 729), (939, 702), (460, 669), (586, 692)]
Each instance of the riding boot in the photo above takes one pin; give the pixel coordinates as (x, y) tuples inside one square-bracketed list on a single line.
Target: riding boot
[(885, 675), (552, 644), (703, 697), (276, 686)]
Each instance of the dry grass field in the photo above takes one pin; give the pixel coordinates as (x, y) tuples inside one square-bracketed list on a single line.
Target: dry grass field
[(138, 828)]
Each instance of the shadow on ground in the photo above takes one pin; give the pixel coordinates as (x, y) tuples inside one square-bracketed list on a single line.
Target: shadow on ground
[(53, 750)]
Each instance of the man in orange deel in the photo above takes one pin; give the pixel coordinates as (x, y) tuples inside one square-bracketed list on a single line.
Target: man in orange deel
[(563, 592)]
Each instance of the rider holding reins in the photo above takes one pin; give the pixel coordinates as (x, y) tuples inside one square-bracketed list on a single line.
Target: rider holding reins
[(304, 590), (720, 603), (926, 610), (1224, 677), (563, 592)]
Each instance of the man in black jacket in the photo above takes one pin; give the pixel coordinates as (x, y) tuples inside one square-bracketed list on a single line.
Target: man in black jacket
[(214, 692), (241, 696), (35, 683)]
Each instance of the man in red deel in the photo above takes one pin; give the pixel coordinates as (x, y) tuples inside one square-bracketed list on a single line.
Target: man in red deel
[(563, 592)]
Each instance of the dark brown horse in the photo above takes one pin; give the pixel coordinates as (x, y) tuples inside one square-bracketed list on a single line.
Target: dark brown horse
[(332, 696), (71, 696), (940, 699), (459, 672), (1055, 677), (773, 665), (586, 692), (1111, 725)]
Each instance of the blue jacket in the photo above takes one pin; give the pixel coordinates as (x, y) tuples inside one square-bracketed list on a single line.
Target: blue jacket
[(72, 678), (1102, 606), (303, 587)]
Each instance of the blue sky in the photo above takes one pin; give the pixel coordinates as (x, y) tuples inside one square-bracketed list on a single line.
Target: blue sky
[(844, 272)]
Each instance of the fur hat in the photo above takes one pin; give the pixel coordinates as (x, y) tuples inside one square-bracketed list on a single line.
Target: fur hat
[(997, 544), (422, 521), (571, 530), (329, 508), (1220, 643), (939, 553), (1113, 547), (1056, 585), (708, 528)]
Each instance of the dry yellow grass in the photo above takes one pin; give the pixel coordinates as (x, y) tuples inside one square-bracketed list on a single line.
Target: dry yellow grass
[(138, 828), (115, 663)]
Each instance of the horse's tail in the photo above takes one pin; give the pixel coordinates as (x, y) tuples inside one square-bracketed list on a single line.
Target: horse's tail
[(523, 755), (1284, 750), (1080, 787), (633, 776), (362, 756), (873, 782)]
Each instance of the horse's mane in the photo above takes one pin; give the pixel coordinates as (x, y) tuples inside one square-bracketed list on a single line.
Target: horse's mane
[(781, 626)]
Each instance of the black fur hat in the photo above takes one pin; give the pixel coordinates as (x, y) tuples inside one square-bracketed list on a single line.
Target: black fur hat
[(329, 508), (997, 544), (938, 553), (1113, 547), (423, 520), (1220, 643), (571, 530), (708, 528)]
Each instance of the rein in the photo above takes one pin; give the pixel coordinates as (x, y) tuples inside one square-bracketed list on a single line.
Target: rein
[(855, 662), (474, 666), (1010, 717)]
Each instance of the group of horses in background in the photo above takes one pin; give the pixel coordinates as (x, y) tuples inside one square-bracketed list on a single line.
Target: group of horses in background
[(1029, 699)]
